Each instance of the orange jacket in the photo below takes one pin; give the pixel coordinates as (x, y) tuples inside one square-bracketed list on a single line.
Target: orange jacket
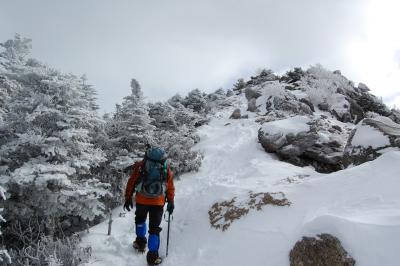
[(139, 198)]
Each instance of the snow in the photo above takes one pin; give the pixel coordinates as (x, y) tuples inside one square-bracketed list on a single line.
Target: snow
[(292, 125), (360, 206), (368, 136)]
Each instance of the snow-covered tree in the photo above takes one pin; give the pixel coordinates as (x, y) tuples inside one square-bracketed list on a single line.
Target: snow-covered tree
[(239, 85), (196, 101), (176, 135), (47, 150), (130, 129), (176, 101), (217, 100), (15, 50), (4, 256)]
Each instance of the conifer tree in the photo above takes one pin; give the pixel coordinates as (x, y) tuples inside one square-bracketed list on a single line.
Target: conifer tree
[(47, 150)]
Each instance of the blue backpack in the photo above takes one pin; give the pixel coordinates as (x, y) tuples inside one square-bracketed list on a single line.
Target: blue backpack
[(153, 175)]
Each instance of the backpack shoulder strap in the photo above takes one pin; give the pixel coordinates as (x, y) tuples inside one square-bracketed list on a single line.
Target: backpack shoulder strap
[(165, 167)]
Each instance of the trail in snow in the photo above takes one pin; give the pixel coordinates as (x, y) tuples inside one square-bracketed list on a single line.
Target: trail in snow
[(361, 206)]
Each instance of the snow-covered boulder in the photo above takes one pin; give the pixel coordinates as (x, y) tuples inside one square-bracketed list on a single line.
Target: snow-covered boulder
[(288, 103), (371, 138), (395, 116), (324, 249), (303, 141)]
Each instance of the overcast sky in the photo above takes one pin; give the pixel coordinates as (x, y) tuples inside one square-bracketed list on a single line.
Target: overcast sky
[(173, 46)]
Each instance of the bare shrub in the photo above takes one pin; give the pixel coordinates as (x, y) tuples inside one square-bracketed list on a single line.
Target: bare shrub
[(32, 243), (323, 250), (49, 251)]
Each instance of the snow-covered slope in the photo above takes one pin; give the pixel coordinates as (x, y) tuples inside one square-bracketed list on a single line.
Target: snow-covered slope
[(360, 205)]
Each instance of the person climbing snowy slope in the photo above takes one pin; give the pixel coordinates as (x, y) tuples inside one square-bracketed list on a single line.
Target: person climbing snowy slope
[(152, 180)]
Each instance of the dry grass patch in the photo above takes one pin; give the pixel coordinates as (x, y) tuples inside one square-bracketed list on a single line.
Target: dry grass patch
[(223, 214)]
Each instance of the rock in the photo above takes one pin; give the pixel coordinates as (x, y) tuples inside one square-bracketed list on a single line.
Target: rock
[(308, 102), (252, 105), (362, 87), (323, 250), (395, 116), (346, 118), (290, 88), (337, 128), (251, 93), (289, 104), (236, 114), (271, 143), (397, 142), (356, 112), (323, 106), (370, 139), (337, 72), (318, 146), (244, 117)]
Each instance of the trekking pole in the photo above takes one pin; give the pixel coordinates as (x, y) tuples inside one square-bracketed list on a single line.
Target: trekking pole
[(169, 222)]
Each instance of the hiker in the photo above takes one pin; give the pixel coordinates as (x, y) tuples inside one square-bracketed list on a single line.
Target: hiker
[(152, 180)]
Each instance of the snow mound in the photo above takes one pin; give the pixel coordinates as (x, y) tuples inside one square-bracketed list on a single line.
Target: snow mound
[(291, 125), (368, 136)]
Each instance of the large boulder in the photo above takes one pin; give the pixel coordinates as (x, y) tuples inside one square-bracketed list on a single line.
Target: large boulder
[(252, 105), (395, 116), (323, 250), (371, 138), (236, 114), (303, 141), (289, 104)]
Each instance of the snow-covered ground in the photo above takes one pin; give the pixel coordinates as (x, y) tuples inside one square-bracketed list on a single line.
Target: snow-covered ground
[(360, 206)]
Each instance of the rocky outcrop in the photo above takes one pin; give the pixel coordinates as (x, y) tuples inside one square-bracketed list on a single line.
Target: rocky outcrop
[(323, 250), (289, 104), (318, 142), (333, 103), (371, 138), (395, 116)]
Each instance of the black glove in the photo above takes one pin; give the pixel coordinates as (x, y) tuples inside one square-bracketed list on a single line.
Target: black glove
[(128, 205), (170, 207)]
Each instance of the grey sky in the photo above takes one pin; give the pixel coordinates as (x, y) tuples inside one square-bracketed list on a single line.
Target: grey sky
[(178, 45)]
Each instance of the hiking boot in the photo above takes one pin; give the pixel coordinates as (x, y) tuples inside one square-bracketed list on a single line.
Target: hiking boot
[(153, 258), (140, 244)]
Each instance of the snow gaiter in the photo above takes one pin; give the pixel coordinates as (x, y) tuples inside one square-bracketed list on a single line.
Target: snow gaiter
[(141, 230), (153, 243)]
